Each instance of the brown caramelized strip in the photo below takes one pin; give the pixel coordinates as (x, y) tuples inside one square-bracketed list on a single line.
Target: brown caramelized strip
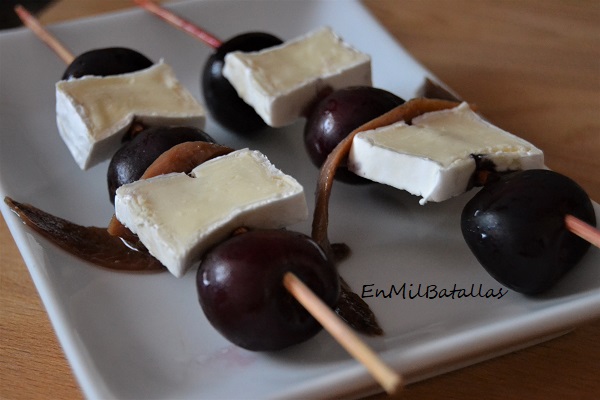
[(405, 112), (183, 157), (97, 245), (88, 243)]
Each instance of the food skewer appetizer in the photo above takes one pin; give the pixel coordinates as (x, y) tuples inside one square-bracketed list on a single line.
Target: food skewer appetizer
[(49, 226), (266, 276), (221, 99), (352, 308), (119, 105), (280, 81), (502, 222), (228, 108), (330, 116), (104, 91), (153, 142)]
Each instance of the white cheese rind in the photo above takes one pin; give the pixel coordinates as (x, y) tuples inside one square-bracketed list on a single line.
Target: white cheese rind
[(433, 157), (93, 113), (282, 81), (178, 217)]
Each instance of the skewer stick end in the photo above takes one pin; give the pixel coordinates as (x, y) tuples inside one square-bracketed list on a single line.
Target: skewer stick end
[(34, 25), (389, 379), (583, 230)]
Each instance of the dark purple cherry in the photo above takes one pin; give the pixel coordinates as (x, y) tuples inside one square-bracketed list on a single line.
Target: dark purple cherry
[(221, 99), (240, 288), (516, 228), (106, 62), (133, 158), (338, 114)]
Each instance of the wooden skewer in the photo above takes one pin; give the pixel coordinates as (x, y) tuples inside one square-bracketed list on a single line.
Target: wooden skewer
[(32, 23), (583, 230), (180, 23), (390, 380)]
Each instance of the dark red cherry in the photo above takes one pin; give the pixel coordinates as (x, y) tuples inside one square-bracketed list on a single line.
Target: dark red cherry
[(221, 99), (106, 62), (338, 114), (240, 288), (133, 158), (516, 228)]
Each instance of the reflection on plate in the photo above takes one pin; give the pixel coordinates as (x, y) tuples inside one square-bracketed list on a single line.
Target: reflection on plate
[(130, 336)]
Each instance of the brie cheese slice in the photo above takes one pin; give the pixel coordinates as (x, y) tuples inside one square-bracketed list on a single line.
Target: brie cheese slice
[(93, 113), (435, 157), (281, 82), (178, 217)]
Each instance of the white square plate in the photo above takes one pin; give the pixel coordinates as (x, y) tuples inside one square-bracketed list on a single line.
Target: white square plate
[(132, 336)]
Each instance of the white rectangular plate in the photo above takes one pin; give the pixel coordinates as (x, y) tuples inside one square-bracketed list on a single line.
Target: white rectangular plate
[(132, 336)]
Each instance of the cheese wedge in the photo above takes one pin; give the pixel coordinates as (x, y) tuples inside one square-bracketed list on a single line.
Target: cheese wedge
[(178, 217), (435, 157), (93, 113), (280, 82)]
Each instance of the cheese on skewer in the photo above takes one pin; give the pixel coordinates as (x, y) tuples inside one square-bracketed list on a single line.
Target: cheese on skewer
[(178, 217), (435, 157), (281, 82), (93, 113)]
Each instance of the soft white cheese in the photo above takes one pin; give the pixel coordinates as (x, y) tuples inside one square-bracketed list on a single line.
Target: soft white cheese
[(433, 157), (93, 113), (280, 82), (178, 217)]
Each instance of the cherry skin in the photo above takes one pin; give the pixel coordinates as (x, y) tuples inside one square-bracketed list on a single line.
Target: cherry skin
[(339, 113), (132, 159), (106, 62), (240, 288), (516, 228), (221, 99)]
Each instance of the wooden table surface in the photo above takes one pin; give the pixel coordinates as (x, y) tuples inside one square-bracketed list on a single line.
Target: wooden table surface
[(532, 67)]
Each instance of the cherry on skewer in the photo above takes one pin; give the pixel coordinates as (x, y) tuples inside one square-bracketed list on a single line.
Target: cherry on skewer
[(106, 62), (135, 155), (240, 289), (569, 211), (221, 98), (328, 120), (131, 160), (519, 227), (336, 115)]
